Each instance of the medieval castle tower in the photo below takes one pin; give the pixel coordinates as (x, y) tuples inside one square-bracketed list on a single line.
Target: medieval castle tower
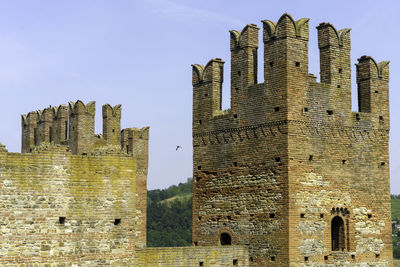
[(290, 171)]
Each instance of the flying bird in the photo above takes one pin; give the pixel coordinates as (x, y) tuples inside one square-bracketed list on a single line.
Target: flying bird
[(177, 147)]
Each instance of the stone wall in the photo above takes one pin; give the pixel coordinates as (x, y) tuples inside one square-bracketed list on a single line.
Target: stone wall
[(192, 256), (62, 209)]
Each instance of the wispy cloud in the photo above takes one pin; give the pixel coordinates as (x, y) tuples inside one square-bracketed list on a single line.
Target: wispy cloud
[(172, 9)]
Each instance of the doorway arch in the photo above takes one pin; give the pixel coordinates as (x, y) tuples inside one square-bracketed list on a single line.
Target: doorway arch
[(337, 234)]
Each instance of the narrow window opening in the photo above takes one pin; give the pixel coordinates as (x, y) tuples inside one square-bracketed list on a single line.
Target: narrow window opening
[(113, 130), (305, 109), (321, 215), (239, 73), (235, 116), (340, 70), (302, 215), (117, 221), (235, 164), (380, 118), (297, 64), (277, 159), (251, 258), (229, 217), (235, 262), (200, 121), (272, 215), (276, 109), (272, 258), (369, 216), (66, 130), (201, 263), (196, 244), (127, 149), (358, 117), (382, 163), (330, 112), (199, 167), (35, 136), (199, 218), (51, 134), (271, 64), (337, 234), (305, 258), (61, 220), (377, 256), (225, 239), (326, 258), (344, 161), (353, 256), (310, 157)]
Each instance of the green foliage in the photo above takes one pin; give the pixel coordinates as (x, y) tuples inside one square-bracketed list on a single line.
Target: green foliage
[(169, 216), (395, 207)]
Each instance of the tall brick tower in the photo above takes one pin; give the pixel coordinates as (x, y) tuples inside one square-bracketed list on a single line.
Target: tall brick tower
[(290, 171)]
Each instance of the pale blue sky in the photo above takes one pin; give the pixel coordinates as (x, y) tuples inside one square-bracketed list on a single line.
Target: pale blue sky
[(138, 54)]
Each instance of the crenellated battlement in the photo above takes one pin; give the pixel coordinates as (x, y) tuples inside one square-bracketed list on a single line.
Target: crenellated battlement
[(72, 125), (288, 92)]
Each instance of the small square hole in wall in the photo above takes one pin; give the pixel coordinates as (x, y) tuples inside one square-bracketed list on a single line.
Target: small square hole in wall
[(305, 109), (239, 73), (277, 159), (369, 216), (340, 70), (199, 167), (321, 215), (205, 95), (302, 215), (380, 118), (376, 91), (198, 179), (344, 161), (297, 64), (382, 163), (377, 256), (326, 258), (276, 109), (117, 221), (200, 122), (357, 117), (201, 263), (235, 262), (272, 258), (199, 218), (229, 217), (338, 86), (305, 258), (235, 116), (272, 215), (61, 220), (251, 258), (353, 256), (235, 164), (195, 244), (310, 157), (271, 64), (330, 112), (237, 89)]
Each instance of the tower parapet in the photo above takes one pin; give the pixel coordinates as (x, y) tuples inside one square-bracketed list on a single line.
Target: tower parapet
[(112, 124)]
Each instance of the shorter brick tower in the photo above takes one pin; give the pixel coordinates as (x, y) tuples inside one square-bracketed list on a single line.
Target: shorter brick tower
[(290, 171)]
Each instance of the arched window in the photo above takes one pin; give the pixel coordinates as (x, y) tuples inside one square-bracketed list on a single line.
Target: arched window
[(225, 239), (337, 233)]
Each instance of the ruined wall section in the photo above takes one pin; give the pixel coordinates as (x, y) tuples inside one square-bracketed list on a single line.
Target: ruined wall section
[(136, 143), (62, 209), (192, 256)]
